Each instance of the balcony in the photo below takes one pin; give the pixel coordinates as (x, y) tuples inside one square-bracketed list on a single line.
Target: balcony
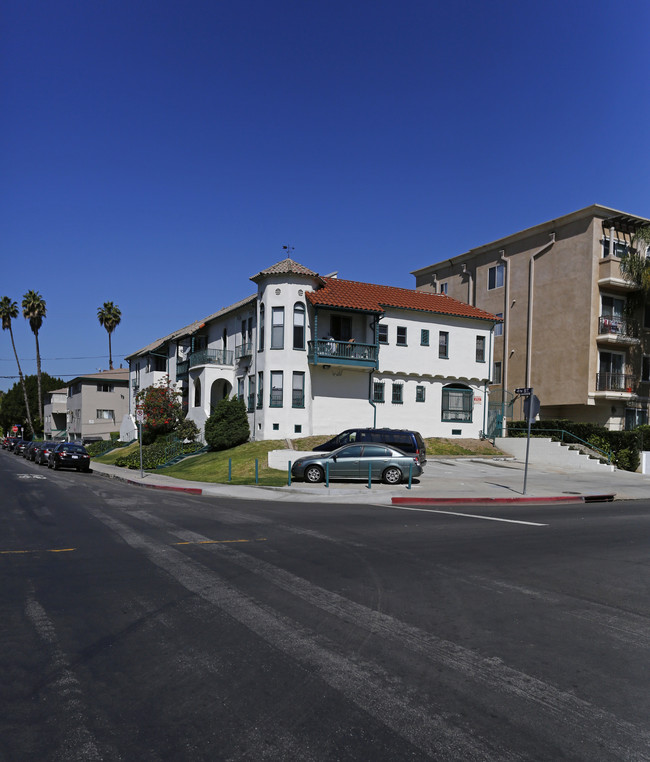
[(616, 382), (330, 352), (211, 357), (244, 350), (617, 330), (182, 369), (611, 278)]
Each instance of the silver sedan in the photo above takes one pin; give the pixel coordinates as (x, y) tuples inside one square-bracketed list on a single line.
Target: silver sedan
[(356, 461)]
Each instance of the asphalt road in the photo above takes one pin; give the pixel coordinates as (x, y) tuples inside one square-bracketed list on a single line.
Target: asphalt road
[(146, 625)]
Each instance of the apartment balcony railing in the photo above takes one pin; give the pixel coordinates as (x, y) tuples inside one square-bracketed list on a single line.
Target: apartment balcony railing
[(616, 382), (211, 357), (330, 352), (618, 326), (182, 369), (244, 350)]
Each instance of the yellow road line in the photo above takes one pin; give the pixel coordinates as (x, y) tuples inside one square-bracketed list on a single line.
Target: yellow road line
[(217, 542), (43, 550)]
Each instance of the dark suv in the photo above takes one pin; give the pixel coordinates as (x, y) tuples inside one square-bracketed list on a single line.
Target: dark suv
[(69, 455), (410, 442)]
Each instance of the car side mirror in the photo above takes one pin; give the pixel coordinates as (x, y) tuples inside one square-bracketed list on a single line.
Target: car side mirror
[(335, 458)]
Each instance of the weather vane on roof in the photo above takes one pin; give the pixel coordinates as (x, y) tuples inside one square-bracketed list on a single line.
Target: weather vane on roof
[(289, 250)]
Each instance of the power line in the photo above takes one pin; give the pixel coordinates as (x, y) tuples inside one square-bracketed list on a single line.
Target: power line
[(52, 359)]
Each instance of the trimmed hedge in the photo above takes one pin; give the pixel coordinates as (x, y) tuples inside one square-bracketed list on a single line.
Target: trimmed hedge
[(624, 446)]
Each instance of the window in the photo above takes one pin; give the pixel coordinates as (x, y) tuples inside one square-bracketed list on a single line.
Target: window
[(105, 387), (495, 277), (298, 390), (443, 288), (260, 390), (240, 388), (105, 415), (74, 389), (396, 398), (424, 338), (197, 393), (299, 326), (158, 363), (620, 248), (297, 429), (341, 327), (635, 417), (419, 394), (382, 334), (457, 401), (277, 328), (251, 394), (498, 328), (443, 344), (351, 452), (378, 391), (401, 335), (496, 373), (612, 307), (277, 380), (645, 368), (480, 349), (276, 427), (261, 340)]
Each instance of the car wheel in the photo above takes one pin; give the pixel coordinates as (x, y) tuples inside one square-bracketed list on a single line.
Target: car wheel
[(49, 465), (55, 465), (313, 474), (392, 475)]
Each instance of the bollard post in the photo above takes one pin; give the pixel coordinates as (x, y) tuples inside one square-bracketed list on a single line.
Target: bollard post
[(289, 474), (410, 475), (229, 469), (327, 473), (256, 471), (369, 475)]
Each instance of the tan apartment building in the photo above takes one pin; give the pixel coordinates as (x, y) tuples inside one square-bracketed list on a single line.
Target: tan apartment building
[(567, 329), (96, 404)]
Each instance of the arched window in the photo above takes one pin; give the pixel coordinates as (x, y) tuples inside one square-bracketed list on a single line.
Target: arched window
[(197, 393), (457, 403), (261, 328), (299, 326)]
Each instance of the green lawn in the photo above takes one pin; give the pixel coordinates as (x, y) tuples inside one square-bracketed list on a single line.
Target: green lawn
[(118, 452)]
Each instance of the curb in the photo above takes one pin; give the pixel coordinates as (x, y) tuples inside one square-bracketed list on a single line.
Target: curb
[(562, 499), (168, 488)]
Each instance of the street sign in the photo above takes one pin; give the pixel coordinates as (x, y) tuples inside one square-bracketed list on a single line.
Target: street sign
[(139, 414), (531, 408), (524, 391), (14, 429)]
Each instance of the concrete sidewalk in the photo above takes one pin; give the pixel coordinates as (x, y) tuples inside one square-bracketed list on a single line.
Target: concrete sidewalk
[(444, 481)]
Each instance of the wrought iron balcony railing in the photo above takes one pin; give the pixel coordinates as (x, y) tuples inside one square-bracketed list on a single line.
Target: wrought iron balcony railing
[(244, 350), (211, 357), (618, 326), (342, 352), (616, 382)]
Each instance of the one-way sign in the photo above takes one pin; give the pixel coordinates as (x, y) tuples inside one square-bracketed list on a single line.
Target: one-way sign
[(524, 391)]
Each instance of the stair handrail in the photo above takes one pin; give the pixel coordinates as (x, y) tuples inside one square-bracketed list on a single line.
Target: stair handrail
[(588, 445)]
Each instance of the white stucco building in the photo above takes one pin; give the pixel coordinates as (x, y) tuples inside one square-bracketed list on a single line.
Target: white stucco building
[(316, 355)]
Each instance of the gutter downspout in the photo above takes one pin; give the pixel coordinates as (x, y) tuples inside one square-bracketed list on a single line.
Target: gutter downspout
[(531, 289), (470, 285), (506, 331)]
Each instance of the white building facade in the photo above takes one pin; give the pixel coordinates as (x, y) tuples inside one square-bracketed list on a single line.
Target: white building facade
[(316, 355)]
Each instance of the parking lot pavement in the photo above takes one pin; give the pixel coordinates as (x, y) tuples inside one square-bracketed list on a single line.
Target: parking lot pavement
[(452, 479)]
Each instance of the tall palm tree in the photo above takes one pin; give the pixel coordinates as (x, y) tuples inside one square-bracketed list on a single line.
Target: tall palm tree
[(109, 316), (9, 311), (34, 310)]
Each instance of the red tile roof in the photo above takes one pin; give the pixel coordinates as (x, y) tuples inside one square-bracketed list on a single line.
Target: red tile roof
[(368, 297)]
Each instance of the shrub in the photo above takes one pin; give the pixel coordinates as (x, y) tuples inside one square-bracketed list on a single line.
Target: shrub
[(187, 429), (228, 425), (162, 409)]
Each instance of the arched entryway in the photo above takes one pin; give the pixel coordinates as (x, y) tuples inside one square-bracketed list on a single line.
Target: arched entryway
[(220, 389)]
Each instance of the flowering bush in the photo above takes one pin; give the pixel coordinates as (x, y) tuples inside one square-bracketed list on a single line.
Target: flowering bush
[(163, 411)]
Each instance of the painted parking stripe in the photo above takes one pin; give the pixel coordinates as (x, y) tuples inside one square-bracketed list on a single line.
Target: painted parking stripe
[(469, 516)]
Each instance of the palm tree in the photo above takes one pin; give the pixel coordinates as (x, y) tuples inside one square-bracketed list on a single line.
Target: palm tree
[(8, 311), (34, 310), (109, 316)]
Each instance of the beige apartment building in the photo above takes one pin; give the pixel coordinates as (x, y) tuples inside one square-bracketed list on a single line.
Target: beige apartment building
[(567, 329), (96, 404)]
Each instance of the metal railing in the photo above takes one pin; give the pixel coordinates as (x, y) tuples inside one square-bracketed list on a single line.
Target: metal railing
[(564, 437), (211, 357), (297, 398), (343, 350), (251, 402), (276, 398), (615, 382), (618, 326), (182, 368), (244, 350)]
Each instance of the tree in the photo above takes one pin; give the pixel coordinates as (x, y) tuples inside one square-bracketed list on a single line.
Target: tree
[(635, 265), (9, 311), (109, 316), (228, 425), (163, 411), (13, 410), (34, 310)]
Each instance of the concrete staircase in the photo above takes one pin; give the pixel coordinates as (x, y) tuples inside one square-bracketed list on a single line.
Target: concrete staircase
[(546, 452)]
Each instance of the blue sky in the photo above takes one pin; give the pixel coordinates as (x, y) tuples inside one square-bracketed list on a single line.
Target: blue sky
[(157, 154)]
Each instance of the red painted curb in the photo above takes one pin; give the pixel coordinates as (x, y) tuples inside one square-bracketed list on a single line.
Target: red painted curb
[(187, 490), (567, 499)]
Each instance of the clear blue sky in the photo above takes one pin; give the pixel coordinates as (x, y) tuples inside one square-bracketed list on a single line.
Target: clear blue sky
[(157, 154)]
